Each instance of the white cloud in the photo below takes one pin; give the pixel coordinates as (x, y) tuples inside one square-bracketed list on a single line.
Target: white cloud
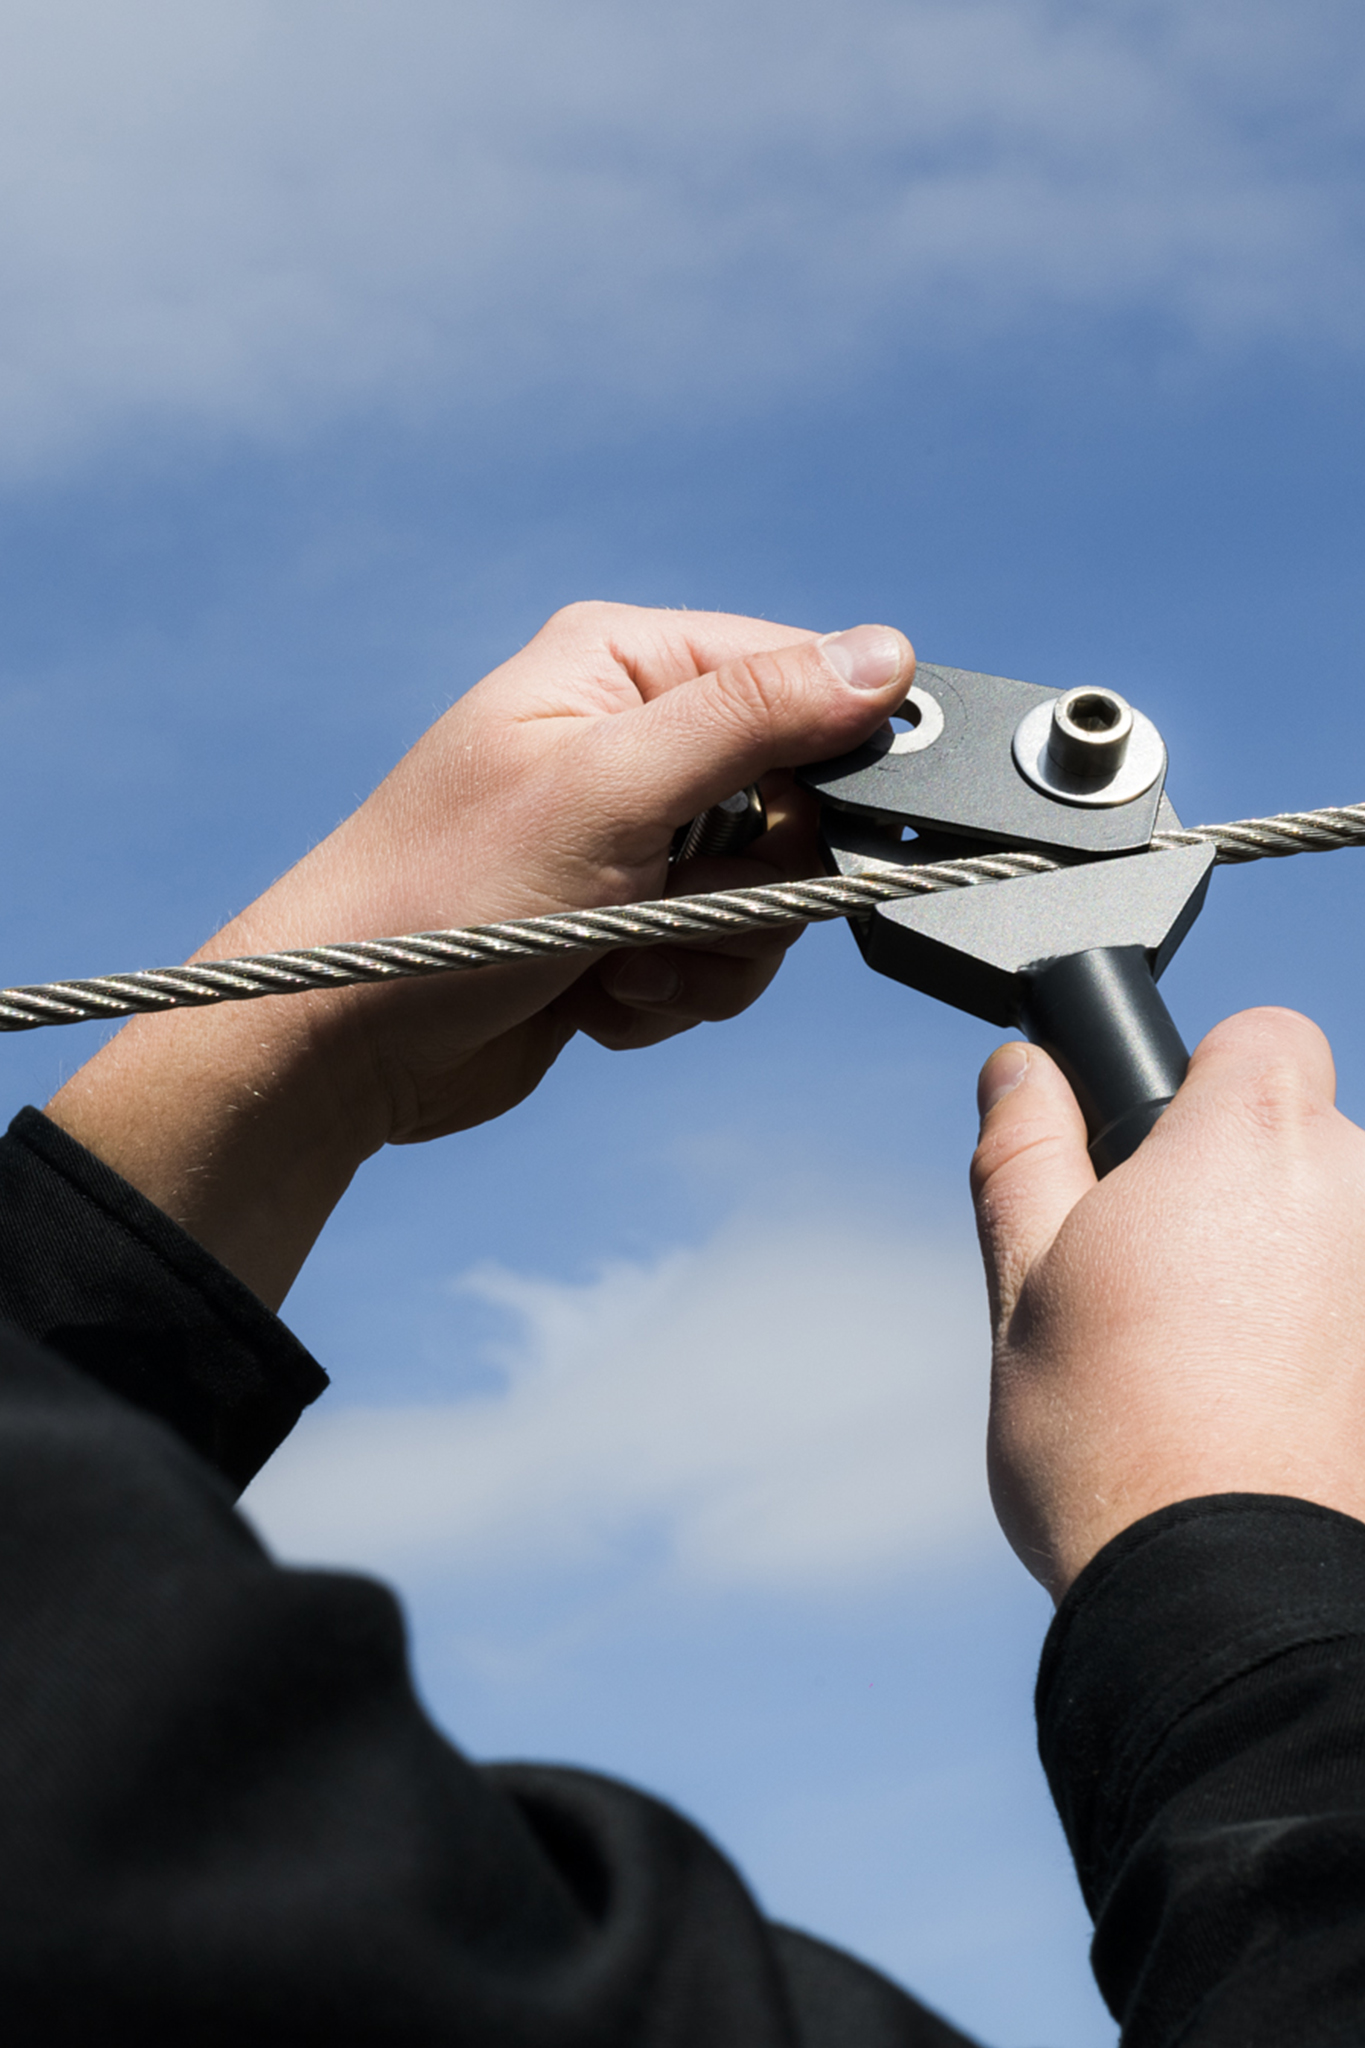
[(799, 1406), (251, 217)]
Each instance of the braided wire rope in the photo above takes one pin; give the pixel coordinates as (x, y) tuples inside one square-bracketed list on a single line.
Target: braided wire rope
[(636, 924)]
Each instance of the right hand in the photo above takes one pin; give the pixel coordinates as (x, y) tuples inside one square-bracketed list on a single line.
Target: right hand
[(1195, 1323)]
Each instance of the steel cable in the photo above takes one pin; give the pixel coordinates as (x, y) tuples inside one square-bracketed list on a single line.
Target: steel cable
[(636, 924)]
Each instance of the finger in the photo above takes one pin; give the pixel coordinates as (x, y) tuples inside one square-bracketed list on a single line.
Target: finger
[(705, 987), (1269, 1070), (1030, 1169), (642, 997), (627, 654), (659, 650), (699, 742)]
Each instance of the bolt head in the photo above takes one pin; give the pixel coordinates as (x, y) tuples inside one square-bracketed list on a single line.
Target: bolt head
[(1089, 735)]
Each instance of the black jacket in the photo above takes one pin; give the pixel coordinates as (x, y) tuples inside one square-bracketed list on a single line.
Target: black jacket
[(224, 1818)]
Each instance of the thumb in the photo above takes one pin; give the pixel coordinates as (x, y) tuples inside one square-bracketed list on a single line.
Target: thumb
[(700, 741), (1030, 1169)]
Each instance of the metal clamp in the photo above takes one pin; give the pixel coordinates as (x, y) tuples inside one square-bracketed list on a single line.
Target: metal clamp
[(1070, 957)]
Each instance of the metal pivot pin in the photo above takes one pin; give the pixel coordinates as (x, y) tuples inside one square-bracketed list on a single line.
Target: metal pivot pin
[(1090, 734), (1089, 748)]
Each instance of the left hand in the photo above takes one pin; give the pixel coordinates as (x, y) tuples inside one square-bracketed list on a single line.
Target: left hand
[(556, 784)]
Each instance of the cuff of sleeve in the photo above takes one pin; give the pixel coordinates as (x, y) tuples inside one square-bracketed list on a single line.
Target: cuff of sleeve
[(92, 1269), (1176, 1607)]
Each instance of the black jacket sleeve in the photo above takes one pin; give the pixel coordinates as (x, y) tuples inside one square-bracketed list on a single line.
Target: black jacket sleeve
[(224, 1818), (101, 1276), (1202, 1722)]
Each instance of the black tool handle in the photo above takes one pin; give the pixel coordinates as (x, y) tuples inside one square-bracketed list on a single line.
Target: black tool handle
[(1102, 1018)]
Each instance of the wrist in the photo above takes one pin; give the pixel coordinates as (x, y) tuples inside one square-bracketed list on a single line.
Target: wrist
[(244, 1123)]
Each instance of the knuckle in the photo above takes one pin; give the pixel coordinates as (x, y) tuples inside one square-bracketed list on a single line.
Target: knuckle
[(1003, 1162), (588, 618), (627, 1033), (1279, 1101), (752, 691), (997, 1150), (982, 1171), (722, 1005), (726, 987)]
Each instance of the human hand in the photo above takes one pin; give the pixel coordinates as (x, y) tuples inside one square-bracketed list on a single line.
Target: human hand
[(557, 783), (1194, 1324)]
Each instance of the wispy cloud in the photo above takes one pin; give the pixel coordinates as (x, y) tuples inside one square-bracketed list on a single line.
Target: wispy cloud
[(250, 218), (799, 1406)]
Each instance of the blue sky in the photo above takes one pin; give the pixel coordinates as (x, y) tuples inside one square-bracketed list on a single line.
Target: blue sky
[(340, 344)]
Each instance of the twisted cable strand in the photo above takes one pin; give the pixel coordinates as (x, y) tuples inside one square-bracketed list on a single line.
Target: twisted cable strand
[(1288, 832), (635, 924)]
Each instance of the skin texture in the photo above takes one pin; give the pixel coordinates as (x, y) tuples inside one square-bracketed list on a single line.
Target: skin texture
[(556, 783), (1193, 1324)]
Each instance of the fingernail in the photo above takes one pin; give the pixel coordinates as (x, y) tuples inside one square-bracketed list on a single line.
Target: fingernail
[(865, 657), (645, 978), (1000, 1076)]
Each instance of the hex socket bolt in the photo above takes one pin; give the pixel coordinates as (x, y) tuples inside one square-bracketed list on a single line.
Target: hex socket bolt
[(1090, 734)]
